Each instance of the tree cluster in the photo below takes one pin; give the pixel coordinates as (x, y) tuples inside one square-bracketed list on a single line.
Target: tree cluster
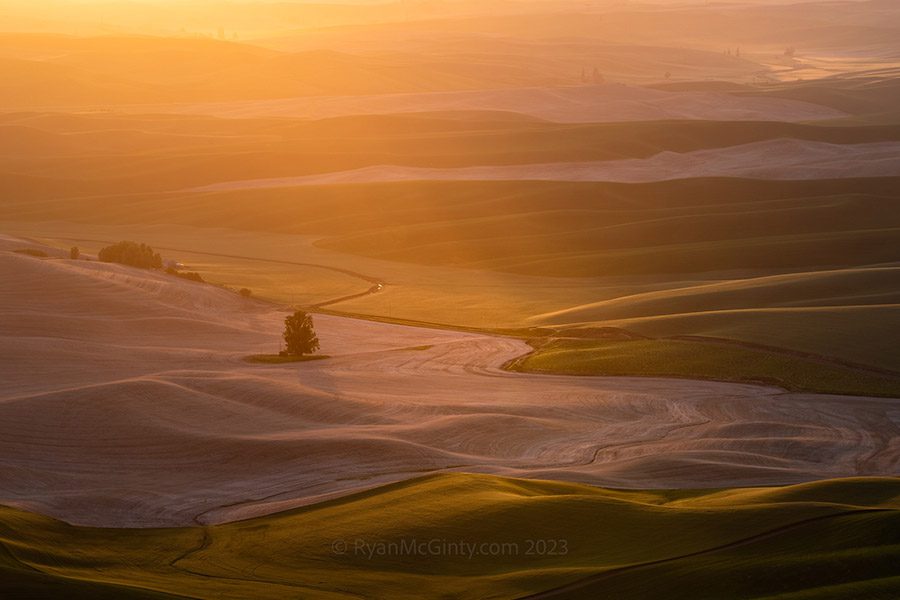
[(131, 254), (189, 275)]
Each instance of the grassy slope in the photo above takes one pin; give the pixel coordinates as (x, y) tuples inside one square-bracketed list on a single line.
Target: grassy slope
[(849, 313), (649, 236), (677, 358), (776, 263), (279, 280), (598, 229), (737, 533), (116, 154), (547, 228), (859, 561), (861, 333), (859, 95), (812, 289)]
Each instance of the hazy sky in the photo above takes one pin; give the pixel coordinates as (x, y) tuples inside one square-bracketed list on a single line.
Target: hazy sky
[(254, 18)]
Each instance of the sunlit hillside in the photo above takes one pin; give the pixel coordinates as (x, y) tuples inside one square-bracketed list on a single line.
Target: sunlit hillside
[(615, 284)]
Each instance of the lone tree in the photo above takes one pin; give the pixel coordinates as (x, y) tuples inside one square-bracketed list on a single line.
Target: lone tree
[(299, 335), (74, 253)]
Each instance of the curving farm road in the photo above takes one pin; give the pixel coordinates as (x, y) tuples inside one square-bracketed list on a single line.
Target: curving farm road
[(376, 285), (126, 402)]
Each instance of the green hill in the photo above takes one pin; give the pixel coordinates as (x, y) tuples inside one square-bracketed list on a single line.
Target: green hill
[(489, 537)]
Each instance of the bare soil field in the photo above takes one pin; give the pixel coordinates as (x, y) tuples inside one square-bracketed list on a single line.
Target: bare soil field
[(127, 402)]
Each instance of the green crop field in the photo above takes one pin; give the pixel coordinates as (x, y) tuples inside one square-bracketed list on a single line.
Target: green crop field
[(488, 537), (691, 359)]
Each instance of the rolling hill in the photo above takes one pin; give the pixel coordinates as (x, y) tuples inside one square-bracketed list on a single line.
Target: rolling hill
[(489, 537)]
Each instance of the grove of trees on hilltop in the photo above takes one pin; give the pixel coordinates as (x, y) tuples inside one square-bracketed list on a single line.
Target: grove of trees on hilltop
[(131, 254)]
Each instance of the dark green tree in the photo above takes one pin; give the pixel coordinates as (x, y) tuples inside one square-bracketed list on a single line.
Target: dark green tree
[(300, 335), (131, 254)]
